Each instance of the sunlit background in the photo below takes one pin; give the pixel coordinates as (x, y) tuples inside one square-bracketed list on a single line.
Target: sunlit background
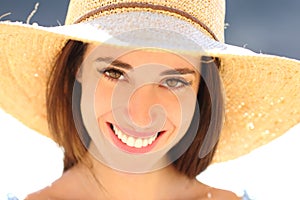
[(30, 161)]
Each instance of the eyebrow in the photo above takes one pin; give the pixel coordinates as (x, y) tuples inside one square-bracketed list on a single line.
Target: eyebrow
[(181, 71), (115, 62), (118, 63)]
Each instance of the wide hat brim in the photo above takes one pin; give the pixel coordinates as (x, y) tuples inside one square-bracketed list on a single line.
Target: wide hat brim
[(262, 92)]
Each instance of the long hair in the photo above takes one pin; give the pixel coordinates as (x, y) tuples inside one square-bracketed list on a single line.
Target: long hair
[(62, 127)]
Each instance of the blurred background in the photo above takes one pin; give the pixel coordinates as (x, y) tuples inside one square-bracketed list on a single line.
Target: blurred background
[(30, 161)]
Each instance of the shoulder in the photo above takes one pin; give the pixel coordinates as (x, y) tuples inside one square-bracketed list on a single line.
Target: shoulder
[(44, 194), (37, 195), (50, 192), (71, 185), (55, 191), (205, 192), (219, 194)]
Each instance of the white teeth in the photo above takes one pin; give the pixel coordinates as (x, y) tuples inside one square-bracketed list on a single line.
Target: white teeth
[(124, 138), (150, 141), (120, 136), (138, 143), (145, 142), (132, 141)]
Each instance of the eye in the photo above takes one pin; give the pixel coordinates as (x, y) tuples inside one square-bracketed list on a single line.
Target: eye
[(175, 83), (113, 74)]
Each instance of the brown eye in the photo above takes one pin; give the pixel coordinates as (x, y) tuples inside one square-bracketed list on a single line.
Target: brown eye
[(114, 74)]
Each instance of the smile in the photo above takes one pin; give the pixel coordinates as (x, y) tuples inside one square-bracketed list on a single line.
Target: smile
[(133, 144)]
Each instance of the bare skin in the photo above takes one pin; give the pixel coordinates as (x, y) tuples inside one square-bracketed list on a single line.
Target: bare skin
[(97, 181), (167, 183)]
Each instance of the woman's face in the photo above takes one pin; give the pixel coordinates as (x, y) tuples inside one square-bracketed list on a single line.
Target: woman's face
[(140, 101)]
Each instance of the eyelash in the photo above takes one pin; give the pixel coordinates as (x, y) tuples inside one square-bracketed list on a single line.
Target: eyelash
[(183, 83), (106, 72)]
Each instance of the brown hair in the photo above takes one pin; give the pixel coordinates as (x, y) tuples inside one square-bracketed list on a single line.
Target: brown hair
[(61, 119)]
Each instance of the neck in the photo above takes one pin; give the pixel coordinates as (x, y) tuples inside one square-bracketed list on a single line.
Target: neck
[(164, 183)]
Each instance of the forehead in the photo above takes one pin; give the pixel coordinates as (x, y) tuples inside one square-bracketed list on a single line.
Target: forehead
[(140, 56)]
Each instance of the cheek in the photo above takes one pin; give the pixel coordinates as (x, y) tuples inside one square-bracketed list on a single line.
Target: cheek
[(180, 109), (172, 107), (103, 97)]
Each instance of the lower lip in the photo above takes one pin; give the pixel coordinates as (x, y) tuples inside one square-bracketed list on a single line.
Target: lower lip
[(129, 149)]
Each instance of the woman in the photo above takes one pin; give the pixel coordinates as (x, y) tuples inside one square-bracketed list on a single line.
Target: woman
[(130, 136), (98, 178)]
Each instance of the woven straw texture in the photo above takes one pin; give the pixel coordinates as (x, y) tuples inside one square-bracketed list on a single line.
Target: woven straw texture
[(209, 12), (26, 62)]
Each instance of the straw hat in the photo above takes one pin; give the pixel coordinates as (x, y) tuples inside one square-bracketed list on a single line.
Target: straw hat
[(262, 91)]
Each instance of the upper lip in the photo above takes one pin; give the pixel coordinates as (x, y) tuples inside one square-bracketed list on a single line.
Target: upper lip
[(141, 134)]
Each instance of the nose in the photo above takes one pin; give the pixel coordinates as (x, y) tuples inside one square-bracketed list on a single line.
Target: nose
[(141, 102)]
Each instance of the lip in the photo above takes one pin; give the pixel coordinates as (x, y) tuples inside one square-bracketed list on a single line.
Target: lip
[(129, 149), (135, 133)]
